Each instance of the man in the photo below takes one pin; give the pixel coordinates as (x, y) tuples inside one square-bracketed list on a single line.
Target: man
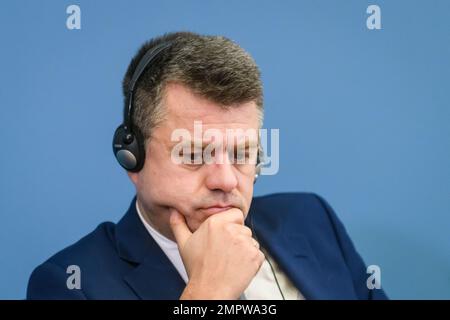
[(194, 230)]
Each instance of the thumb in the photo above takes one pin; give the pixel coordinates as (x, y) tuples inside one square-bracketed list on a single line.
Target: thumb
[(179, 227)]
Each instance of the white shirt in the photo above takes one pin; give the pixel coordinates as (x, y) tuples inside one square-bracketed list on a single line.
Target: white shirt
[(262, 287)]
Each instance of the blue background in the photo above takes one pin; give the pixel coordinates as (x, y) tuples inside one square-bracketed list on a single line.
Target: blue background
[(363, 118)]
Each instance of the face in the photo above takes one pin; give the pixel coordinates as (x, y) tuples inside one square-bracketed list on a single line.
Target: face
[(197, 191)]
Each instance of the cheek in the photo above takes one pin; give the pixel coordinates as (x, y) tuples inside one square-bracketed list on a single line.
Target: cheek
[(169, 186), (246, 190)]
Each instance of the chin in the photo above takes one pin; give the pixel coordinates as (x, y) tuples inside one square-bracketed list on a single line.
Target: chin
[(193, 225)]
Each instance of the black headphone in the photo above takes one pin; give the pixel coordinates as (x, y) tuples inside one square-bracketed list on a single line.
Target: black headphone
[(128, 140)]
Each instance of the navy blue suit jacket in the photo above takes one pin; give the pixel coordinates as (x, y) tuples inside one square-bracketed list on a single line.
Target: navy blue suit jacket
[(122, 261)]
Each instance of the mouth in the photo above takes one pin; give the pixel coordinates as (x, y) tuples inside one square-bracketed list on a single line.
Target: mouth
[(215, 209)]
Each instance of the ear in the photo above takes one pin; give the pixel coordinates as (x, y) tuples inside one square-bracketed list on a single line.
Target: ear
[(134, 176)]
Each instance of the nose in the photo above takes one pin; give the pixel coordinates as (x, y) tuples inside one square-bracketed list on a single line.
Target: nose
[(221, 177)]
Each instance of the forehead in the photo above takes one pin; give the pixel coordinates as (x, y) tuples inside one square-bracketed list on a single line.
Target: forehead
[(183, 107)]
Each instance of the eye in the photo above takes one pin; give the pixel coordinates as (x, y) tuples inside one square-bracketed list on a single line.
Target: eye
[(193, 159), (241, 157)]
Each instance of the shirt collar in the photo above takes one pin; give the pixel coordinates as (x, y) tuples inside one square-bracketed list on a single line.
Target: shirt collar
[(163, 241)]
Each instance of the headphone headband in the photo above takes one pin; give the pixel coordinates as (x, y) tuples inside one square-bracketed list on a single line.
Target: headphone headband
[(149, 56)]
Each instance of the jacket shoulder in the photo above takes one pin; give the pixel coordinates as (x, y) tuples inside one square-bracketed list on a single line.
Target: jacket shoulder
[(279, 207), (101, 239), (48, 280), (287, 198)]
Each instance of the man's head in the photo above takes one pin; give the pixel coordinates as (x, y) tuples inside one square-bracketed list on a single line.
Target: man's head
[(205, 79)]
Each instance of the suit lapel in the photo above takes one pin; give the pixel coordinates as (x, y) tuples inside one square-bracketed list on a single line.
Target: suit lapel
[(154, 276), (156, 279)]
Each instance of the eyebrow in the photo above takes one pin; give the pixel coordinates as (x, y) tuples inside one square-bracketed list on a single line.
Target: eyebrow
[(194, 143)]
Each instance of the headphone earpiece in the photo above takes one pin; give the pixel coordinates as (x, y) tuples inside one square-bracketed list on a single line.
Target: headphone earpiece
[(128, 141), (128, 148)]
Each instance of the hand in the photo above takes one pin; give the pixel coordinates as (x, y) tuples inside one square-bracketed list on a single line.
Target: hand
[(221, 257)]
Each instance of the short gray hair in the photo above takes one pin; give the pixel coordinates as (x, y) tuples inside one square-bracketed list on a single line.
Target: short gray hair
[(212, 66)]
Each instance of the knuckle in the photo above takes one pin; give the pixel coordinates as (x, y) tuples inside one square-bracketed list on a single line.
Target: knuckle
[(254, 253), (261, 256), (247, 230), (258, 259), (238, 214), (239, 239)]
